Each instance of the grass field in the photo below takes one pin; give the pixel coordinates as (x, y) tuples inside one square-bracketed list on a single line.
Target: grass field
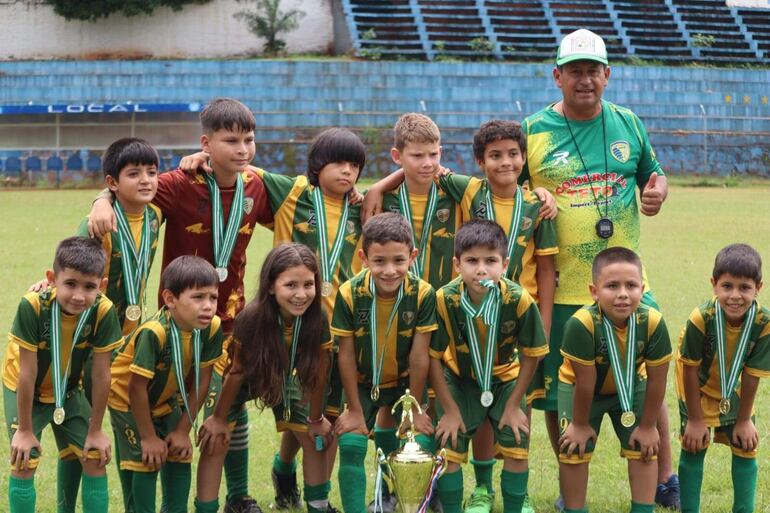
[(678, 248)]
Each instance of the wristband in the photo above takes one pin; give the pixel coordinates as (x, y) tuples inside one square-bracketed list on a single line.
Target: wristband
[(315, 421)]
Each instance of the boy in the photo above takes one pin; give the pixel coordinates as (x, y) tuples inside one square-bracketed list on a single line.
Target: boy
[(603, 373), (53, 333), (724, 350), (483, 313), (383, 317), (167, 358), (200, 221)]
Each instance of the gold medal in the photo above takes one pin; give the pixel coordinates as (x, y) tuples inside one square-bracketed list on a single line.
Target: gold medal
[(58, 416), (375, 395), (326, 289), (628, 419), (133, 312), (724, 406), (222, 273), (287, 413)]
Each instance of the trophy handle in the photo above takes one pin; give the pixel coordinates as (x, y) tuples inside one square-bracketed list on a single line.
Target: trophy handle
[(382, 461)]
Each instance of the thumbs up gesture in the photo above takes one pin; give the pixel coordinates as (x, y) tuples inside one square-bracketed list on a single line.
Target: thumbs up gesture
[(653, 194)]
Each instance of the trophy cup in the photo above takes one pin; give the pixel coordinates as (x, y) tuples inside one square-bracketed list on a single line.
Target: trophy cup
[(411, 472)]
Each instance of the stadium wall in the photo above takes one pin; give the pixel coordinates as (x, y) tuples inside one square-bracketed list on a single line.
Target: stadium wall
[(700, 120), (32, 30)]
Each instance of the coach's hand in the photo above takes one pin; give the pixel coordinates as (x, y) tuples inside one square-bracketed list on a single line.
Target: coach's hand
[(192, 163), (696, 435), (97, 441), (179, 445), (448, 427), (22, 444), (154, 452), (576, 437), (548, 209), (648, 439), (210, 432), (654, 194)]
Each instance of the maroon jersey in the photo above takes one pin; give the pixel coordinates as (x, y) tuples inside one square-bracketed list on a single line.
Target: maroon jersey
[(186, 207)]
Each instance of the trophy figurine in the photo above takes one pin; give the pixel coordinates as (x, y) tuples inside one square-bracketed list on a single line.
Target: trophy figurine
[(411, 472)]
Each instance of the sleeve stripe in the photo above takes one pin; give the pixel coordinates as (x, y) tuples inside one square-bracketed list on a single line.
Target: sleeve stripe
[(142, 372), (108, 348), (341, 332), (659, 361), (535, 351), (426, 329), (757, 373), (576, 359), (688, 362), (547, 251), (22, 343)]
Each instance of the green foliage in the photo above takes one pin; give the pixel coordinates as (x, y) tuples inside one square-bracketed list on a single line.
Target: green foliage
[(372, 53), (703, 40), (92, 10), (481, 45), (267, 21)]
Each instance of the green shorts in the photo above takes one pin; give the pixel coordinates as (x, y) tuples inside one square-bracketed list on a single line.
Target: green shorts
[(721, 425), (215, 389), (601, 404), (70, 435), (388, 397), (334, 396), (545, 383), (298, 411), (467, 394), (128, 442)]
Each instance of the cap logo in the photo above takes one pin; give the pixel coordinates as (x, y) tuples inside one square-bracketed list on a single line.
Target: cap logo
[(581, 44)]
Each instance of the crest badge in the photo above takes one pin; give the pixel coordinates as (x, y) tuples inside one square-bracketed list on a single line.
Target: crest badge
[(621, 151), (442, 215)]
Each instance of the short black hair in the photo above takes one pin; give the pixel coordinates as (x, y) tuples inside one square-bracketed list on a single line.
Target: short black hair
[(481, 232), (334, 145), (387, 227), (611, 256), (80, 254), (227, 114), (740, 260), (188, 272), (128, 151), (497, 130)]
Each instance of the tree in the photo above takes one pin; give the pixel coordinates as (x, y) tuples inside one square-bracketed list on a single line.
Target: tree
[(91, 10), (267, 21)]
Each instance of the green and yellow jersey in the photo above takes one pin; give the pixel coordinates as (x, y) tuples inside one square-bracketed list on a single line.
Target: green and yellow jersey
[(31, 330), (520, 330), (148, 353), (536, 236), (439, 248), (115, 290), (586, 344), (416, 314), (553, 162)]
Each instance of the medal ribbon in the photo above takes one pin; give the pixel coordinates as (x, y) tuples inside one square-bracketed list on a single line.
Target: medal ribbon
[(513, 231), (328, 259), (624, 376), (134, 263), (377, 365), (177, 355), (292, 356), (418, 265), (58, 377), (728, 384), (224, 236), (489, 311)]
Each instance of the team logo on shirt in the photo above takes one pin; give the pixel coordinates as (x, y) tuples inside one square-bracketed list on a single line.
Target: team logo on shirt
[(442, 215), (154, 226), (408, 317), (248, 205), (86, 330), (526, 222), (560, 157), (621, 151), (480, 212), (351, 227), (507, 327)]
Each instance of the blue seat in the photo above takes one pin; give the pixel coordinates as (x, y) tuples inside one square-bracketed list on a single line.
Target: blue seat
[(74, 163), (54, 163), (34, 164), (13, 166), (175, 160), (94, 163)]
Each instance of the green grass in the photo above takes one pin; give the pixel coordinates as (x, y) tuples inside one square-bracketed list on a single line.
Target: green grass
[(678, 248)]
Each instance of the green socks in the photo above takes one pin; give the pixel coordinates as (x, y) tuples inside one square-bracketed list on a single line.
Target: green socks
[(450, 491), (514, 487), (94, 494), (178, 478), (285, 469), (67, 484), (237, 459), (744, 484), (690, 480), (21, 494), (483, 471), (426, 442), (642, 508), (142, 492), (317, 497), (206, 507), (581, 510), (352, 476), (386, 439)]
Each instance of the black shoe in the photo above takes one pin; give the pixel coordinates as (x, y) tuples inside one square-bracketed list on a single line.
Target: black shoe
[(242, 505), (332, 509), (389, 501), (286, 491), (435, 503)]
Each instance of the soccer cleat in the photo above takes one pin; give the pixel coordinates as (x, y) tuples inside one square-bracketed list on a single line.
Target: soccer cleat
[(527, 507), (332, 509), (667, 494), (389, 502), (242, 505), (286, 491), (480, 501)]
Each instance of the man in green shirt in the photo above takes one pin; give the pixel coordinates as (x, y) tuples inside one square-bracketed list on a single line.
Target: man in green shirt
[(591, 155)]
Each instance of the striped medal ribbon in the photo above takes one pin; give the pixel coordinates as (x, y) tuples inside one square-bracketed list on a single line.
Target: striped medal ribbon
[(328, 258), (177, 355), (135, 264), (418, 266), (513, 232), (728, 383), (224, 236), (489, 312), (624, 375), (296, 326), (378, 363)]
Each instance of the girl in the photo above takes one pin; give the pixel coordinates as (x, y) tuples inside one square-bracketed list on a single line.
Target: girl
[(279, 340)]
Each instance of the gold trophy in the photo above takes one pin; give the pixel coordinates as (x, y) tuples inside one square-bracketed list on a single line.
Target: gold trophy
[(411, 472)]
